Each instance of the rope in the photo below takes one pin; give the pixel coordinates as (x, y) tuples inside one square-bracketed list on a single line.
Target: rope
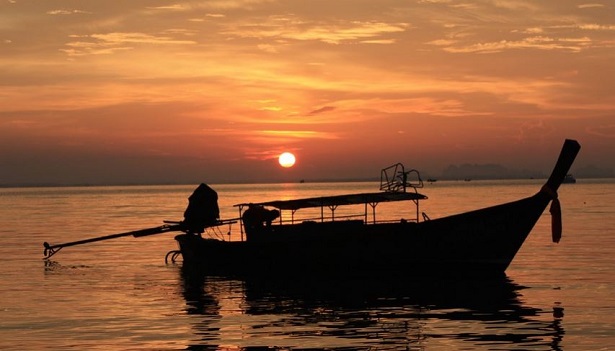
[(547, 190), (556, 214)]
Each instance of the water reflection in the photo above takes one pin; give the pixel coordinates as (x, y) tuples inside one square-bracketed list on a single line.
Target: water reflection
[(290, 313)]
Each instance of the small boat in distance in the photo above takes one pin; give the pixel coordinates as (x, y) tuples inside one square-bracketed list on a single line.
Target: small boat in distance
[(569, 179), (274, 240)]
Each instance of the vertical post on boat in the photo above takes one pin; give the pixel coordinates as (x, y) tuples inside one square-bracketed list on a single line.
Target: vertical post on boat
[(417, 210), (332, 208), (240, 207), (373, 205), (365, 213), (322, 213)]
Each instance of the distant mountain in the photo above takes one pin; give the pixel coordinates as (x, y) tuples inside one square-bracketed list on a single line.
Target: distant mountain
[(592, 171), (495, 171)]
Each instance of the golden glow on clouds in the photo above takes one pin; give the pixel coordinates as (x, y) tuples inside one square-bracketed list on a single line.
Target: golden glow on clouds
[(297, 134), (292, 28), (250, 77), (109, 43)]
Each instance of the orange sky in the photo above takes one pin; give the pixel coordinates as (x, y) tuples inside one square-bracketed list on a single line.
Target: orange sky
[(212, 91)]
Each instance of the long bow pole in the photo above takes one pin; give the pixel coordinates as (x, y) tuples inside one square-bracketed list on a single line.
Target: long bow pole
[(51, 250)]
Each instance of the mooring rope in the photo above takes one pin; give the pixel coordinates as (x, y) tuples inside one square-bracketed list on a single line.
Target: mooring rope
[(556, 214)]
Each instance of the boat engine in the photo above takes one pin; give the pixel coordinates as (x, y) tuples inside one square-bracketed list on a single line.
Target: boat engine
[(202, 210)]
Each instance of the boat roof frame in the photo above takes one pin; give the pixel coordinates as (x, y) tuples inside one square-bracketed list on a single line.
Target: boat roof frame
[(339, 200), (394, 185)]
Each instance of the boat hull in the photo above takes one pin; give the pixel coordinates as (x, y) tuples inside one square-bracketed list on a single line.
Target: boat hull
[(481, 241)]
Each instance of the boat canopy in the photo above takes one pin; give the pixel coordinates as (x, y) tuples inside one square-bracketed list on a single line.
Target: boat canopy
[(394, 185), (338, 200)]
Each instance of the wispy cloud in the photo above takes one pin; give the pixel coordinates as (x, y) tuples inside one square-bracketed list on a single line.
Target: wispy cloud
[(321, 110), (212, 4), (297, 134), (293, 28), (109, 43), (598, 27), (268, 133), (140, 38), (419, 105), (588, 6), (607, 131), (537, 42), (173, 7), (67, 12)]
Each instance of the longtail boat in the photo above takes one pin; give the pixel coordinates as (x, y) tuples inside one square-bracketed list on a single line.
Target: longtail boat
[(274, 240), (484, 240)]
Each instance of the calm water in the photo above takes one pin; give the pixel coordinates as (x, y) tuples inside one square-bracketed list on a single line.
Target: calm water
[(120, 295)]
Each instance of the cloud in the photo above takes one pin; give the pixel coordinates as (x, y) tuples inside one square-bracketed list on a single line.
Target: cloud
[(536, 42), (109, 43), (587, 6), (297, 134), (534, 30), (418, 105), (379, 41), (67, 12), (267, 134), (321, 110), (599, 27), (174, 7), (140, 38), (607, 131), (285, 137), (293, 28), (268, 137), (515, 5), (212, 4)]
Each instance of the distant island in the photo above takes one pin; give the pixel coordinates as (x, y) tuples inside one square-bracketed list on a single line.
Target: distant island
[(495, 171)]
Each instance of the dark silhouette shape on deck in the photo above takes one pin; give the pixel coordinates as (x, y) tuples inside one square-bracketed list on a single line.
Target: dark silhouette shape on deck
[(202, 210)]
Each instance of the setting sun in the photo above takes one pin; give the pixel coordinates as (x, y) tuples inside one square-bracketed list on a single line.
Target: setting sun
[(286, 159)]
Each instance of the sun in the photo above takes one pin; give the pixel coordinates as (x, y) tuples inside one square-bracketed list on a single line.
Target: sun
[(287, 160)]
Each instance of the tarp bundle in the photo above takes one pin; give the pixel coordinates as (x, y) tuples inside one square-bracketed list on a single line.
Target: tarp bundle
[(202, 210)]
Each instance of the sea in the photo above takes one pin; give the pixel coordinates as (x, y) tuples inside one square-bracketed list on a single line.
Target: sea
[(120, 294)]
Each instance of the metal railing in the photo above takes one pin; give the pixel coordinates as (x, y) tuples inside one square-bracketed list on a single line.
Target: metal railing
[(395, 179)]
